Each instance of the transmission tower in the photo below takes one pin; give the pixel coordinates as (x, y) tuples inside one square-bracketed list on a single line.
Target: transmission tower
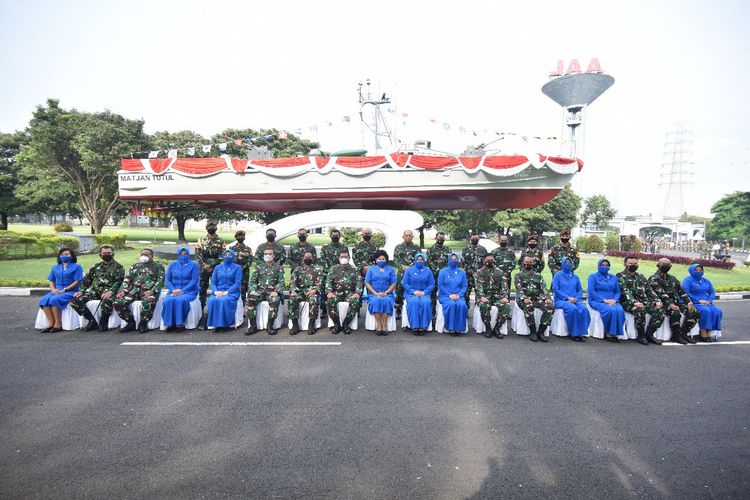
[(674, 174)]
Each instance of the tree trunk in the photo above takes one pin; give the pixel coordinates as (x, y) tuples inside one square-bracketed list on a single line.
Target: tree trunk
[(421, 236), (4, 221), (180, 228)]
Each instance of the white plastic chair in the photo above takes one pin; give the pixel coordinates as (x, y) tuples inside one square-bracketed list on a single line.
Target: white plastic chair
[(519, 322), (69, 319), (96, 312), (193, 317), (304, 317), (478, 324), (559, 327), (440, 321)]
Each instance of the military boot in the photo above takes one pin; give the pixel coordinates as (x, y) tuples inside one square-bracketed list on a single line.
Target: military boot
[(650, 335), (532, 333), (678, 337), (336, 328), (251, 329), (311, 327), (295, 327), (128, 327), (143, 326), (270, 329), (104, 322), (487, 330), (93, 325), (641, 336), (540, 333), (690, 339), (498, 327)]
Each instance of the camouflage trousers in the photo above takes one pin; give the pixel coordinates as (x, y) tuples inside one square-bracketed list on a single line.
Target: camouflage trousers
[(273, 304), (470, 285), (333, 310), (691, 318), (485, 309), (399, 302), (433, 298), (657, 315), (204, 282), (312, 306), (79, 304), (245, 283), (122, 306), (528, 312)]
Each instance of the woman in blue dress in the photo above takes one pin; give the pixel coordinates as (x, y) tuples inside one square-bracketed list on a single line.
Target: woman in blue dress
[(604, 296), (380, 282), (418, 283), (702, 294), (64, 278), (226, 282), (569, 297), (451, 290), (182, 281)]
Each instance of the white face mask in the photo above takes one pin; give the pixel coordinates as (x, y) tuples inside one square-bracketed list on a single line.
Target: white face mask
[(268, 258), (344, 261), (145, 258)]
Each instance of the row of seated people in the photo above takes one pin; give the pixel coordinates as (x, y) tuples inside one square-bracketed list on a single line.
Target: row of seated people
[(106, 298)]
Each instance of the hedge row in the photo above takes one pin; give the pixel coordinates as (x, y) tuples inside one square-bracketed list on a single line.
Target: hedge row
[(674, 258), (117, 241), (15, 245)]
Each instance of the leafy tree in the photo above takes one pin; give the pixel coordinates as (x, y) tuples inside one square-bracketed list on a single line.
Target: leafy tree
[(731, 217), (42, 193), (597, 211), (561, 211), (84, 150), (10, 146)]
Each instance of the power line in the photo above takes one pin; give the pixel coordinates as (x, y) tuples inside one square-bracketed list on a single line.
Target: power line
[(674, 174)]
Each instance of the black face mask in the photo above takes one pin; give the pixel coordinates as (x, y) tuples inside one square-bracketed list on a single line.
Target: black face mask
[(503, 244), (307, 261), (633, 268), (532, 245), (211, 230), (439, 242), (565, 240), (108, 257), (270, 238), (475, 242), (302, 237), (335, 239), (528, 266), (367, 237), (490, 263), (665, 268), (240, 240)]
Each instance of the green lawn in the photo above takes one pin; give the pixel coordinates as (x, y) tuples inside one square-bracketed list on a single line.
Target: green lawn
[(132, 233)]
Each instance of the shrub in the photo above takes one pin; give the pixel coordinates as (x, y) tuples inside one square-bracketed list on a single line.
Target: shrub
[(581, 243), (15, 245), (117, 241), (350, 236), (676, 259), (612, 241), (63, 227), (632, 244), (594, 244)]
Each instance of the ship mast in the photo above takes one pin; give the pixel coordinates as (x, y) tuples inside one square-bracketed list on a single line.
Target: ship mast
[(378, 121)]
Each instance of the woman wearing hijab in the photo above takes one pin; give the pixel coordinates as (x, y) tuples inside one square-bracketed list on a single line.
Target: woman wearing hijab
[(182, 281), (702, 294), (452, 286), (226, 282), (418, 283), (569, 297), (64, 278), (380, 281), (604, 296)]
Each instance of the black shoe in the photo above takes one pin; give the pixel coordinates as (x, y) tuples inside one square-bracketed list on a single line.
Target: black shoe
[(251, 330), (488, 330), (653, 340), (295, 327), (347, 330), (179, 328), (46, 330), (104, 323), (540, 333), (218, 329), (385, 333), (311, 328), (496, 330), (170, 328), (642, 340), (272, 331), (143, 326), (533, 337), (680, 339), (690, 339), (55, 329), (128, 327), (93, 325)]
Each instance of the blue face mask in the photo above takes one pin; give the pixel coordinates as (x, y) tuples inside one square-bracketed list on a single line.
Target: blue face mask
[(419, 264), (567, 267), (228, 260), (453, 264), (381, 263), (183, 258), (604, 270), (65, 259), (697, 274)]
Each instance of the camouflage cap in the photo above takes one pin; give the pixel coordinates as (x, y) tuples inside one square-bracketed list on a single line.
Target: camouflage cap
[(532, 236), (239, 233), (565, 230), (213, 223)]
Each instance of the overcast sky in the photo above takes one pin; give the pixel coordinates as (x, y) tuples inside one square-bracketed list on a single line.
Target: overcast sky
[(207, 66)]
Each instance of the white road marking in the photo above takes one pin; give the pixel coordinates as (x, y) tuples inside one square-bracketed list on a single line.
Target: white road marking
[(204, 344), (728, 342)]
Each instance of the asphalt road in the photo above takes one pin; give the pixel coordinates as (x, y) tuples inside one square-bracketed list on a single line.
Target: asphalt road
[(375, 417)]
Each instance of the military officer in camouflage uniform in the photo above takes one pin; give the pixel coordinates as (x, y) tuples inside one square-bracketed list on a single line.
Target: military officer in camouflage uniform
[(208, 255), (532, 250), (674, 302), (143, 282), (297, 250), (403, 257), (505, 258), (329, 257), (343, 284), (564, 249), (437, 256), (364, 252), (304, 286), (243, 257), (279, 254), (531, 294), (472, 257), (100, 283), (638, 298), (267, 283), (492, 290)]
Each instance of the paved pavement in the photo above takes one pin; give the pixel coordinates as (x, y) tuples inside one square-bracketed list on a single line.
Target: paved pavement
[(375, 417)]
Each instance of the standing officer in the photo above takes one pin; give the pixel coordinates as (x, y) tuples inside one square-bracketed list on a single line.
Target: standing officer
[(505, 258), (100, 283), (492, 290), (343, 284), (472, 258), (364, 252), (638, 298), (208, 255), (403, 257), (243, 257), (279, 254), (564, 249), (297, 250), (329, 257), (674, 302), (266, 284), (531, 294), (143, 282), (532, 250), (305, 286), (437, 257)]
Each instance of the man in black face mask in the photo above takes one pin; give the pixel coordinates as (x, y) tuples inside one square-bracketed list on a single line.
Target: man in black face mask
[(472, 257), (243, 257), (208, 252), (297, 250), (532, 250), (505, 258), (531, 294), (638, 298), (100, 283), (279, 254), (564, 249), (329, 257), (674, 302), (364, 252)]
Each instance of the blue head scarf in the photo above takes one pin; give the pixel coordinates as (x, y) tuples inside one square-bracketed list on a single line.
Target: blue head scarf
[(450, 262), (603, 271), (567, 268), (420, 265), (183, 259), (224, 258), (694, 274)]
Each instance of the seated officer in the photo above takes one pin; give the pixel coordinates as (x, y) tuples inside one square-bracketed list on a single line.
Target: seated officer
[(267, 283), (343, 284), (100, 283)]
